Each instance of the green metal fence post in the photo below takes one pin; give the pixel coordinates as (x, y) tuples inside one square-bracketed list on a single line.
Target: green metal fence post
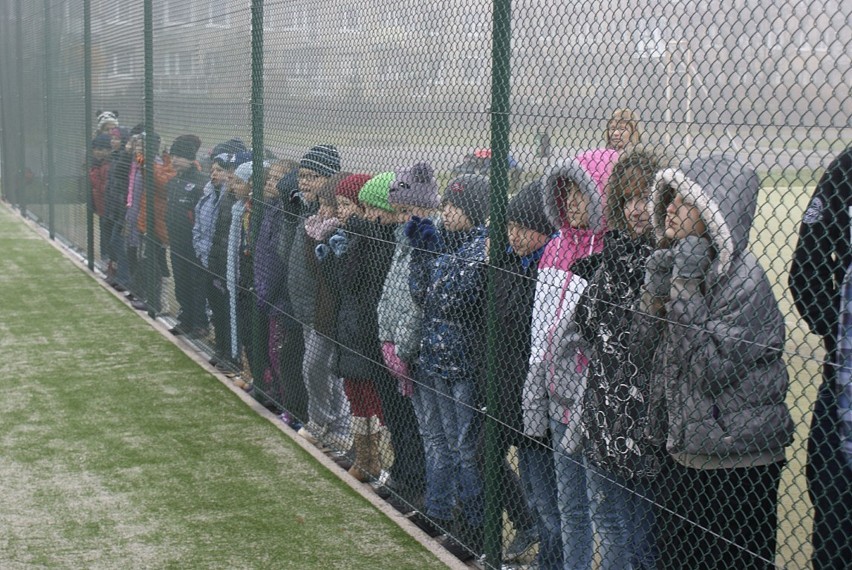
[(500, 109), (150, 154), (48, 104), (19, 79), (4, 100), (258, 151), (87, 82)]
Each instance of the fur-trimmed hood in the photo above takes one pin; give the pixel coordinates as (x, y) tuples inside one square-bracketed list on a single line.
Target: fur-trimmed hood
[(590, 170), (725, 192)]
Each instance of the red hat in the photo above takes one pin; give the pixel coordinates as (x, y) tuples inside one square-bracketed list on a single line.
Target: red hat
[(351, 185)]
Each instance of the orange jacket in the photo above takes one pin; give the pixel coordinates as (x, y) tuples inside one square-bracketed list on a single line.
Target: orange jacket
[(162, 174)]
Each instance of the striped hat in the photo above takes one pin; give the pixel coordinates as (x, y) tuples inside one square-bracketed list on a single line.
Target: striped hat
[(322, 159)]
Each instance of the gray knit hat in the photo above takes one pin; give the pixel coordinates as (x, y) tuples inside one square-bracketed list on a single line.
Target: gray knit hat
[(322, 159), (415, 186), (472, 194)]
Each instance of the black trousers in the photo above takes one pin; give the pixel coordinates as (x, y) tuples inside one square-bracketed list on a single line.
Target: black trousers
[(717, 519), (218, 299), (189, 285), (829, 483)]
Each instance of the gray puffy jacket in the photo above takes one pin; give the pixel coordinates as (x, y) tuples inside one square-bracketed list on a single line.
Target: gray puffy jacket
[(720, 363)]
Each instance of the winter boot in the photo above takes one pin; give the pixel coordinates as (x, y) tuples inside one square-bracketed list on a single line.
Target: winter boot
[(360, 442)]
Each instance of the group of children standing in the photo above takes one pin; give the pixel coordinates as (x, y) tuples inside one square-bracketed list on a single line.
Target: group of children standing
[(641, 375)]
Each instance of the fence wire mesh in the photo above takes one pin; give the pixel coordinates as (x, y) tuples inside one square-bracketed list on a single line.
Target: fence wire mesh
[(563, 282)]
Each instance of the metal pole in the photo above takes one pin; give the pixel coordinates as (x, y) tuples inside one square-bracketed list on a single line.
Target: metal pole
[(150, 157), (4, 100), (19, 79), (498, 235), (87, 81), (48, 104), (257, 154)]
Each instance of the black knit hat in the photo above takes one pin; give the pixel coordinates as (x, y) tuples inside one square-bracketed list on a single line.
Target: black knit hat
[(526, 209), (322, 159), (185, 146), (472, 194)]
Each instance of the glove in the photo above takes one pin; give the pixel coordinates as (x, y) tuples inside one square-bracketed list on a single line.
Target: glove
[(338, 243), (220, 286), (396, 366), (405, 387), (428, 235), (658, 270), (411, 227), (322, 251), (691, 257)]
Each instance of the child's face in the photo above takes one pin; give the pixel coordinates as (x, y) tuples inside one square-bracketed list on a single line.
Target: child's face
[(276, 173), (455, 220), (346, 208), (240, 188), (327, 209), (218, 176), (618, 134), (309, 184), (525, 241), (683, 220), (636, 206), (100, 153), (379, 216), (577, 205)]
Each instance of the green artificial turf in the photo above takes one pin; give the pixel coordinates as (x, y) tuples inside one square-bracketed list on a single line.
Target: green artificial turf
[(117, 451)]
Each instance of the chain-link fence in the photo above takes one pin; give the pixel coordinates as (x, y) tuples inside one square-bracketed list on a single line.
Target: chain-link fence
[(587, 355)]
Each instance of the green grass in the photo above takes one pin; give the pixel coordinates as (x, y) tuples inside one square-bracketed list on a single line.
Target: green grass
[(120, 452)]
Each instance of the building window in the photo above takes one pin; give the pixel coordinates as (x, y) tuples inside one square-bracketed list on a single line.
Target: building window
[(648, 38), (178, 63), (178, 11), (121, 64), (119, 11), (351, 21), (218, 14)]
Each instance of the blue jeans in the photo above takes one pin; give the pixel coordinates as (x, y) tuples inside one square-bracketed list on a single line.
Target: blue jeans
[(450, 423), (573, 500), (538, 476), (623, 516)]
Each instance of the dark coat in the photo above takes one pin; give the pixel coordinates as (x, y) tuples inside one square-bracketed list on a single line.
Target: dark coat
[(218, 261), (514, 286), (358, 276), (116, 190), (449, 286), (619, 340), (184, 191)]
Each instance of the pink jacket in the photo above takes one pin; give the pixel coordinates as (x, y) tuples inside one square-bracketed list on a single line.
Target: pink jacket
[(557, 377)]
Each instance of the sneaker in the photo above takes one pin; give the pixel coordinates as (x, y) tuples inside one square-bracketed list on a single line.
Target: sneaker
[(523, 542), (425, 524), (308, 436), (139, 305), (458, 550)]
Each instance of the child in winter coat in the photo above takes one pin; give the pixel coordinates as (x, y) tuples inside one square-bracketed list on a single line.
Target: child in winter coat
[(719, 371), (618, 337), (413, 192), (99, 178), (447, 282), (358, 256), (529, 232), (328, 408), (574, 197), (269, 279)]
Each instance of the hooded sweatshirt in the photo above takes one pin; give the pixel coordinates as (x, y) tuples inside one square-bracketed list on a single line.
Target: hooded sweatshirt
[(719, 362), (556, 380)]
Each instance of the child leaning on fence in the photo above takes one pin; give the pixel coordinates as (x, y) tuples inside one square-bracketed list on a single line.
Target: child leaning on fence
[(574, 197), (447, 282), (719, 371), (618, 337)]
